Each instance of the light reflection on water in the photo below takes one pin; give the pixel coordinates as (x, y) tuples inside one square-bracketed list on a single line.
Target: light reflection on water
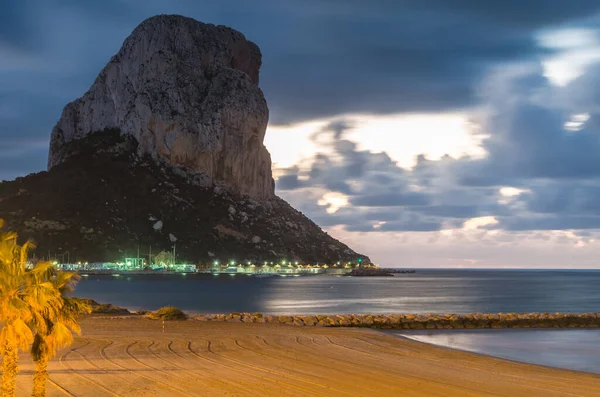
[(576, 349), (427, 291)]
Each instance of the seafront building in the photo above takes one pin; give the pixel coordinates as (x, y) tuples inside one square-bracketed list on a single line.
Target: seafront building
[(132, 265), (266, 269), (128, 265)]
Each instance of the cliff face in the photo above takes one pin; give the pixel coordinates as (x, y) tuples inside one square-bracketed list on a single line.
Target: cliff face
[(188, 92), (105, 201), (165, 147)]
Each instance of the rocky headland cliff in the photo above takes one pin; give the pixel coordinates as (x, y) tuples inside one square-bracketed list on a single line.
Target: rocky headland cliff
[(166, 148), (188, 93)]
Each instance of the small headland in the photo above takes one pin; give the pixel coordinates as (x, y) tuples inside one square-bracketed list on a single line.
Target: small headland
[(376, 272)]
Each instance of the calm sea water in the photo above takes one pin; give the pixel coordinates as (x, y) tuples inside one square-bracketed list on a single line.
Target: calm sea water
[(427, 291), (576, 349)]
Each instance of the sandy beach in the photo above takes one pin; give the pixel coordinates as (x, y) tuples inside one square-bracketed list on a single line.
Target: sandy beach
[(131, 356)]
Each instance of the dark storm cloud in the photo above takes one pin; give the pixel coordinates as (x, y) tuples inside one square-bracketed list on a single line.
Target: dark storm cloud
[(581, 97), (386, 219), (532, 14), (16, 26), (528, 139), (334, 57), (564, 198), (391, 199), (527, 147), (530, 148), (398, 226), (394, 56), (321, 58)]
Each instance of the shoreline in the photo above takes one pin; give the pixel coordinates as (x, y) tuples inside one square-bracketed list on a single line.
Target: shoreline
[(482, 354), (130, 355)]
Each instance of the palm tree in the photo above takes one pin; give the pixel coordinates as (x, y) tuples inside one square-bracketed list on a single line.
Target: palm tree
[(14, 309), (31, 300), (56, 330)]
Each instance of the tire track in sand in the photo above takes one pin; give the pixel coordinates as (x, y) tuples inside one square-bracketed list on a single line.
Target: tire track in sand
[(311, 363), (63, 358), (157, 382), (248, 373), (240, 384), (285, 376)]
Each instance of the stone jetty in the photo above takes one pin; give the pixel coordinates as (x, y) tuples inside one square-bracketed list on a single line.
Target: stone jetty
[(419, 321)]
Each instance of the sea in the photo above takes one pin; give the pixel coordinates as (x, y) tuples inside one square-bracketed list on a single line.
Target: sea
[(426, 291)]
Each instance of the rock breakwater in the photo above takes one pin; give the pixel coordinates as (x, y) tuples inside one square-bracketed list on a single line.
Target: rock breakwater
[(419, 321)]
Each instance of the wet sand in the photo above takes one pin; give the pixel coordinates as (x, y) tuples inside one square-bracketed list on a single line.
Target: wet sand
[(131, 356)]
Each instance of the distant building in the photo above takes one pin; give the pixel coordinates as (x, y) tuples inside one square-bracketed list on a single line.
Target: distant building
[(182, 268)]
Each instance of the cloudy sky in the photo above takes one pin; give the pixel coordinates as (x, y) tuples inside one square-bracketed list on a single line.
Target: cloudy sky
[(425, 133)]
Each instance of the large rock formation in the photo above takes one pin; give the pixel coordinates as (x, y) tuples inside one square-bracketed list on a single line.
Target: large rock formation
[(105, 201), (166, 148), (188, 92)]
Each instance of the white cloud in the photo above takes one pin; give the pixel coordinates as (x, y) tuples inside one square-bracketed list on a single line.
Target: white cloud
[(476, 223), (577, 49), (576, 122), (402, 137), (333, 201), (509, 194), (508, 191)]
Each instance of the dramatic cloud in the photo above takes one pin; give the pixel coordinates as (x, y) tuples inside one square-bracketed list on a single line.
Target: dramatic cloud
[(377, 193), (321, 58), (541, 171)]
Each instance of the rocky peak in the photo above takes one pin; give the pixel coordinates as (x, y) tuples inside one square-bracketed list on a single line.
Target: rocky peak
[(104, 202), (188, 93)]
